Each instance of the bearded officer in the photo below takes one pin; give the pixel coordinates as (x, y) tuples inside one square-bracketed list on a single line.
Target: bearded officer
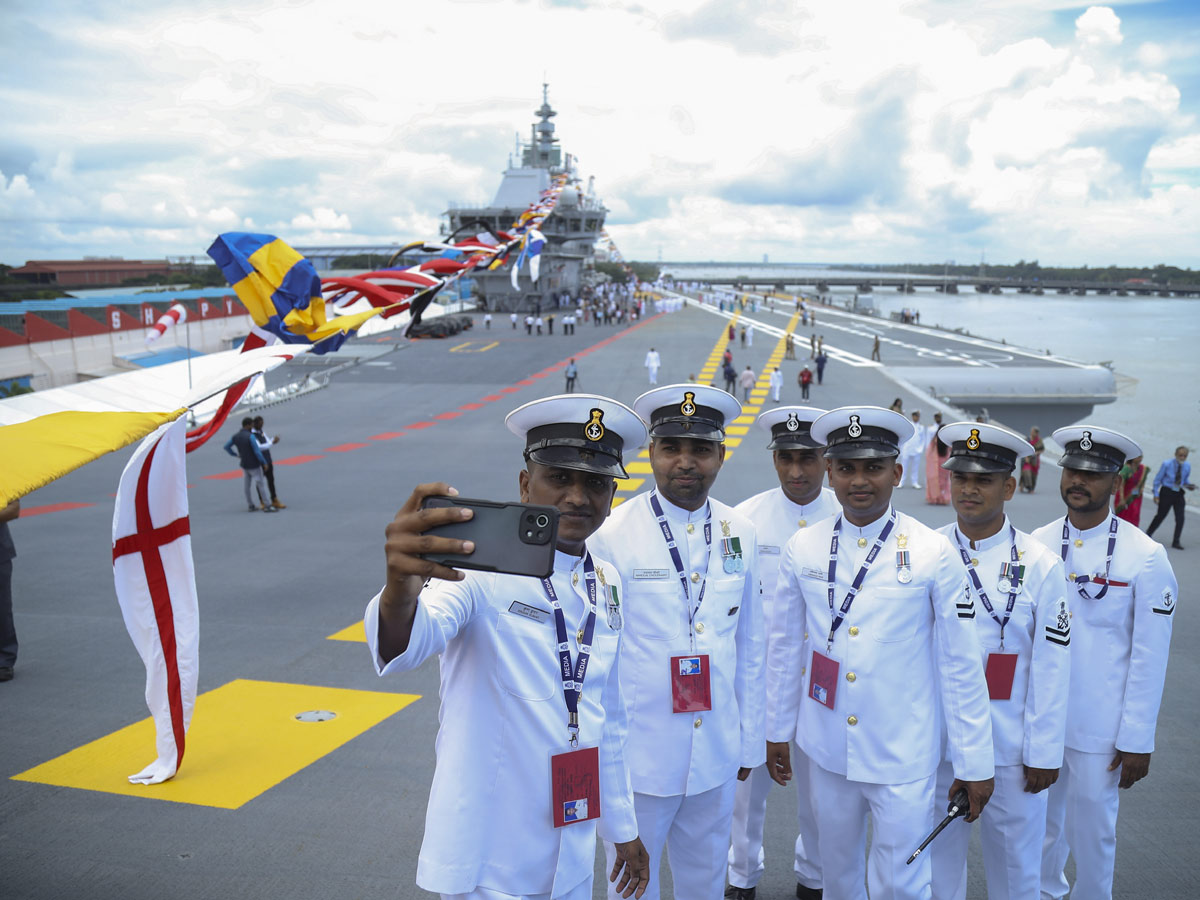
[(1023, 625), (873, 626), (1123, 596), (528, 670), (692, 650), (798, 503)]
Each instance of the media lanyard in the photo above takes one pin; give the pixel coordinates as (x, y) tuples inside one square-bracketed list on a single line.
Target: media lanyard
[(673, 548), (1081, 580), (858, 579), (573, 675), (982, 594)]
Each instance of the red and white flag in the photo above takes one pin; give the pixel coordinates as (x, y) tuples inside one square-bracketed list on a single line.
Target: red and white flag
[(176, 315), (156, 587)]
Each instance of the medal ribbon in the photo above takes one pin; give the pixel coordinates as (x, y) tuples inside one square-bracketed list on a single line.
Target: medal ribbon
[(980, 592), (573, 675), (673, 548), (858, 579), (1081, 580)]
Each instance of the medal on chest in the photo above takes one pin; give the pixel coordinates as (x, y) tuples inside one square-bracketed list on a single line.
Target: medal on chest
[(1012, 577), (903, 567), (731, 551)]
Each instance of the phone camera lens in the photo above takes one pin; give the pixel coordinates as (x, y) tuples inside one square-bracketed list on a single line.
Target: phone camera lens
[(543, 520)]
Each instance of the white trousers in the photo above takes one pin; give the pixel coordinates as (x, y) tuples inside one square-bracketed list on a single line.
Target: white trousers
[(912, 472), (1081, 821), (1011, 830), (747, 860), (653, 374), (583, 891), (695, 832), (901, 816)]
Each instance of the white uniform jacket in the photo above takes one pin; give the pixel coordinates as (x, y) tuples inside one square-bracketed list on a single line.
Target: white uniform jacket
[(1120, 641), (502, 715), (776, 519), (916, 444), (900, 648), (1027, 729), (687, 753)]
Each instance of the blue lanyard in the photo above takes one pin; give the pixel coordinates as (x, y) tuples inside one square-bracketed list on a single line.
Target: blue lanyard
[(983, 597), (1081, 580), (573, 675), (858, 579), (673, 548)]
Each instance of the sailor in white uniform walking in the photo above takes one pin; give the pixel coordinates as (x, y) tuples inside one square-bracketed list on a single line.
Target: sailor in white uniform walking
[(531, 705), (1123, 595), (652, 363), (692, 648), (871, 642), (798, 502), (1024, 627)]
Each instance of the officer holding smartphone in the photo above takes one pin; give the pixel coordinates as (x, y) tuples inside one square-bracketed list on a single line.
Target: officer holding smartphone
[(530, 751)]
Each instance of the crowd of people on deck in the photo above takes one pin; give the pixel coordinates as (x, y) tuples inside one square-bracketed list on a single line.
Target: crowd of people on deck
[(685, 653)]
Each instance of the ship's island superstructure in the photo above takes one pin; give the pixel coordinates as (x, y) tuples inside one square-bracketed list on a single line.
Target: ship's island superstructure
[(571, 230)]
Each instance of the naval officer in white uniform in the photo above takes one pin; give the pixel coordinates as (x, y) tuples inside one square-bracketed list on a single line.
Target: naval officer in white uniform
[(533, 726), (692, 649), (1123, 595), (798, 502), (1024, 627), (873, 626)]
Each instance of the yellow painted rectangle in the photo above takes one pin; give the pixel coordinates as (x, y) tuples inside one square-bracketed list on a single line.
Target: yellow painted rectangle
[(733, 442), (637, 468), (629, 485), (356, 632), (617, 501), (736, 429), (753, 410), (744, 420), (244, 740)]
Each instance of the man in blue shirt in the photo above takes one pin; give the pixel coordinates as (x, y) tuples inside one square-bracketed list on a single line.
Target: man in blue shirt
[(252, 462), (1172, 480)]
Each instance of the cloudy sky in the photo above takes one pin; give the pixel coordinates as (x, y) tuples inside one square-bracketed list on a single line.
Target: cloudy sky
[(874, 130)]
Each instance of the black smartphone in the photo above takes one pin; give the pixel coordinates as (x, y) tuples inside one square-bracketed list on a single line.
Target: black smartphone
[(509, 537)]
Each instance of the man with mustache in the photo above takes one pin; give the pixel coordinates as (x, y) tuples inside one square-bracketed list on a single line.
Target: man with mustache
[(1123, 594), (692, 650), (1024, 628), (871, 642), (529, 675), (798, 502)]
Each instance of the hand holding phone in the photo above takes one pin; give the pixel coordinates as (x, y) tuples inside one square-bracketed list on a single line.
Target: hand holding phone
[(517, 538), (408, 537)]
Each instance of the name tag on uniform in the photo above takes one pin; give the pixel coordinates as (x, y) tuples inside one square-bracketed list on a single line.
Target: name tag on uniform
[(529, 612), (575, 786), (650, 574), (1000, 670), (691, 690), (823, 679), (768, 549), (809, 572)]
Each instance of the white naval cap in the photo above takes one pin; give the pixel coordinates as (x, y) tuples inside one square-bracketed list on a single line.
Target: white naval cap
[(578, 431), (790, 427), (697, 411), (982, 448), (861, 432), (1091, 448)]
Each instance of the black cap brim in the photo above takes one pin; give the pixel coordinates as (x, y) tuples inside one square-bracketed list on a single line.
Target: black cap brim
[(581, 460), (976, 465), (861, 450), (697, 430), (1087, 462)]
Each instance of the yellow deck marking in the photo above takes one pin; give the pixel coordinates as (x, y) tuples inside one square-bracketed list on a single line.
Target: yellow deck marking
[(462, 348), (732, 442), (630, 485), (243, 741), (737, 429), (744, 420), (617, 501), (637, 468), (356, 632)]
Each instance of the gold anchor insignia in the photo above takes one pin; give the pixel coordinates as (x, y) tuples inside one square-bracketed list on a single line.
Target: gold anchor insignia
[(600, 575), (724, 528), (594, 429), (973, 440), (688, 406), (901, 541)]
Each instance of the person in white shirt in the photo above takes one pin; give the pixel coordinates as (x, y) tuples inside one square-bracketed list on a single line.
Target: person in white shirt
[(652, 363), (798, 502), (776, 384), (1024, 627), (872, 626), (692, 649), (518, 684), (1123, 596), (912, 452)]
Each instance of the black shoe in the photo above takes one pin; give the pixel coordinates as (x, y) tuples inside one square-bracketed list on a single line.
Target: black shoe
[(737, 893), (7, 675), (1177, 545), (807, 893)]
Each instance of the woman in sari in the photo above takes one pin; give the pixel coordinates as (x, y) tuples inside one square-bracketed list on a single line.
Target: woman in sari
[(1031, 464), (937, 479), (1131, 486)]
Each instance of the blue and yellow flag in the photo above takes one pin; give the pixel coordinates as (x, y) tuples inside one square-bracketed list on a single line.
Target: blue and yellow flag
[(281, 290)]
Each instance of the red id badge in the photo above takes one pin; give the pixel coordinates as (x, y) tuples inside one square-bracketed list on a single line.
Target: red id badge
[(823, 679), (1001, 667), (575, 786), (691, 690)]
